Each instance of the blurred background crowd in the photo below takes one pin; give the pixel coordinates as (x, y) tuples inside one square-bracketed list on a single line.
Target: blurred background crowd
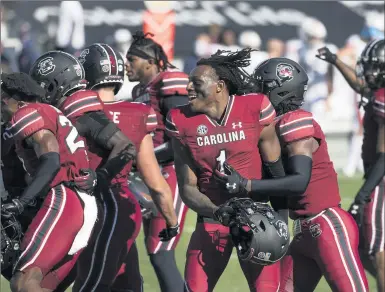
[(31, 28)]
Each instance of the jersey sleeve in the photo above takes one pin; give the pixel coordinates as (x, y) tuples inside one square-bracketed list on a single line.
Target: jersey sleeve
[(296, 126), (379, 103), (80, 103), (267, 114), (173, 83), (170, 125), (151, 120), (27, 121)]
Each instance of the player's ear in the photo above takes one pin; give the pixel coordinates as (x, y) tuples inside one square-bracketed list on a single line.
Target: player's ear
[(220, 86)]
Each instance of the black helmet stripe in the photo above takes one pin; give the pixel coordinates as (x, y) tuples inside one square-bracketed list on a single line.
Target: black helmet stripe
[(107, 55), (113, 58)]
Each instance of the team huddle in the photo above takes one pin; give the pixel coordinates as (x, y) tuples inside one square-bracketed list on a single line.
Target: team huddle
[(82, 172)]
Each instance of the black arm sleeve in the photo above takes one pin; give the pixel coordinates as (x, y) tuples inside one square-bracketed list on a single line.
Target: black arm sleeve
[(373, 178), (274, 169), (164, 153), (49, 166), (293, 184), (96, 126), (169, 102)]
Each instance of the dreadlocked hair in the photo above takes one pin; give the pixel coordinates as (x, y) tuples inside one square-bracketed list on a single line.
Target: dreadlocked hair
[(151, 48), (286, 106), (22, 87), (229, 68)]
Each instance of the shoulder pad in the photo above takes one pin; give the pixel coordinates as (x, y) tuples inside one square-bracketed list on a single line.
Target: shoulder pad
[(28, 120), (172, 83), (267, 114), (379, 103), (81, 102), (296, 125)]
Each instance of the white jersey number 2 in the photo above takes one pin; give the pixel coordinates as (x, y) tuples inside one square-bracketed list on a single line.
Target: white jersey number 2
[(72, 136)]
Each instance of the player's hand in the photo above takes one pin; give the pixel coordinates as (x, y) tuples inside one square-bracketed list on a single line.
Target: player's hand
[(87, 180), (357, 211), (231, 179), (168, 233), (224, 214), (15, 208), (325, 54)]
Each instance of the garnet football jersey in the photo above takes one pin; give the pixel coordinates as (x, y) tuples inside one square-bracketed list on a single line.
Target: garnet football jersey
[(76, 105), (373, 110), (322, 191), (135, 120), (233, 139), (165, 84), (35, 117)]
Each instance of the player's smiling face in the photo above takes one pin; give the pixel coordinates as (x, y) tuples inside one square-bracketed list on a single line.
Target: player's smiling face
[(201, 88)]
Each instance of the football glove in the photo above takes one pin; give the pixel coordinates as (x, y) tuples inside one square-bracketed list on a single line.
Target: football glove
[(231, 179), (86, 181), (325, 54), (224, 214), (357, 211), (15, 207), (168, 233)]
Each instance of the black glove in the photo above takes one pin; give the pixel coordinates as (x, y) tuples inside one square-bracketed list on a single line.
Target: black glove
[(15, 208), (325, 54), (231, 179), (167, 233), (357, 211), (86, 181), (224, 214)]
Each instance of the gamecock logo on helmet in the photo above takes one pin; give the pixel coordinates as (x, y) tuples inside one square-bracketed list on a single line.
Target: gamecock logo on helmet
[(285, 72), (46, 66)]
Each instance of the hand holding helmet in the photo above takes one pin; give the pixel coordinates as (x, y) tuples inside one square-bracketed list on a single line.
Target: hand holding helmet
[(260, 235)]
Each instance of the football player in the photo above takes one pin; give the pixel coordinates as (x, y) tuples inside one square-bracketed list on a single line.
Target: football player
[(54, 155), (162, 88), (137, 121), (368, 207), (219, 124), (325, 236)]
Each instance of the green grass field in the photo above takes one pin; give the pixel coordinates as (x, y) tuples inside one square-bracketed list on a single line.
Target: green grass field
[(232, 280)]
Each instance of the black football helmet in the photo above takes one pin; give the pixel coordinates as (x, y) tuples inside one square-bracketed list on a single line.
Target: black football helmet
[(259, 233), (282, 79), (371, 64), (102, 65), (59, 73), (11, 235)]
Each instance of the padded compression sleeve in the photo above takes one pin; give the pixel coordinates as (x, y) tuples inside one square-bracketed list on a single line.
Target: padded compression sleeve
[(173, 101), (373, 178), (164, 153), (97, 126), (49, 166), (293, 184)]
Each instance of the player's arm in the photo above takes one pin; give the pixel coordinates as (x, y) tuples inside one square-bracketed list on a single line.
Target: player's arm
[(188, 182), (377, 171), (164, 152), (152, 177), (46, 148), (349, 73), (269, 145), (106, 134)]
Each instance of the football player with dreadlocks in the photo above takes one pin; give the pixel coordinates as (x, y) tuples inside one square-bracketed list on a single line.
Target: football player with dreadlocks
[(368, 207), (221, 123), (54, 155), (137, 121), (163, 88), (325, 236)]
